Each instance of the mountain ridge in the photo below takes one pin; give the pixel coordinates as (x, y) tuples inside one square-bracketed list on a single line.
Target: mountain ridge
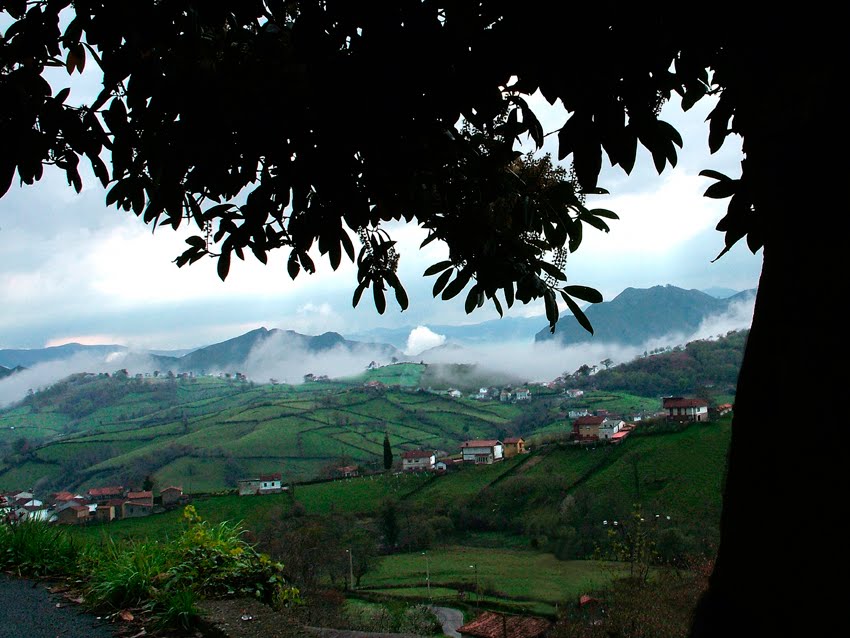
[(638, 315), (631, 318)]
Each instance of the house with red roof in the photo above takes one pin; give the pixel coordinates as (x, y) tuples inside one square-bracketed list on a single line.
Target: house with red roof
[(171, 496), (418, 460), (682, 409), (482, 451), (106, 493), (494, 625), (586, 428), (145, 497)]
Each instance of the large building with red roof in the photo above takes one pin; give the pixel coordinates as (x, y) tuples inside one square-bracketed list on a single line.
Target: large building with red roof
[(682, 409)]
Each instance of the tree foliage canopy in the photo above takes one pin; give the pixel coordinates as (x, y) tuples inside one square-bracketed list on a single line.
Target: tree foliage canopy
[(283, 125)]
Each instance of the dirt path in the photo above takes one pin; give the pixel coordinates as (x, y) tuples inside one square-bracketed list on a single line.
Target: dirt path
[(31, 611)]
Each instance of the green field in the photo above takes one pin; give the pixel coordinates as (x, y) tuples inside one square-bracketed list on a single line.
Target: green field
[(531, 581), (185, 431)]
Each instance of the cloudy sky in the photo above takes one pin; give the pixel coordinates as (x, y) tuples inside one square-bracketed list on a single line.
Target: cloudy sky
[(74, 270)]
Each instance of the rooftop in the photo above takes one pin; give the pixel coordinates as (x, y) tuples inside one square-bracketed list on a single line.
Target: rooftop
[(493, 625)]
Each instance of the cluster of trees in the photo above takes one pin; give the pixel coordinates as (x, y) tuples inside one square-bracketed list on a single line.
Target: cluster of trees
[(700, 367), (79, 395)]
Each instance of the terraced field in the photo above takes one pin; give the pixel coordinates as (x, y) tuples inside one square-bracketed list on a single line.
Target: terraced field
[(205, 432)]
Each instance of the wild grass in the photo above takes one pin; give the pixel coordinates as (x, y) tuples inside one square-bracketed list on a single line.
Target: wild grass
[(34, 548)]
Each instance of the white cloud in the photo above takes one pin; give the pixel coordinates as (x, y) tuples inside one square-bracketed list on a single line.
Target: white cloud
[(282, 358), (422, 338)]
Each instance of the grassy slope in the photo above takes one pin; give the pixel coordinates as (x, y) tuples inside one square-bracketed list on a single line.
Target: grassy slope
[(532, 581), (296, 430), (680, 471)]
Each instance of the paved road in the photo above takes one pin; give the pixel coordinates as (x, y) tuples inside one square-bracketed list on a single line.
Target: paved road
[(450, 619), (28, 610)]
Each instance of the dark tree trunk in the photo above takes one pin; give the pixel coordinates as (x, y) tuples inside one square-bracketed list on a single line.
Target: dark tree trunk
[(781, 539)]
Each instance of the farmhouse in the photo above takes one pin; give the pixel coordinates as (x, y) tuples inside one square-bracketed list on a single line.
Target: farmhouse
[(106, 493), (73, 515), (681, 409), (586, 428), (145, 497), (171, 495), (134, 509), (264, 484), (514, 445), (418, 460), (482, 451), (609, 428), (347, 471), (522, 394), (494, 625)]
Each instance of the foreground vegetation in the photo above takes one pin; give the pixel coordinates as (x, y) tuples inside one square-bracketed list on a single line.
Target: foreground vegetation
[(161, 579)]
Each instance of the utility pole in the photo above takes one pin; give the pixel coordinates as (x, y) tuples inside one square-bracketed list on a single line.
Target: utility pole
[(350, 568)]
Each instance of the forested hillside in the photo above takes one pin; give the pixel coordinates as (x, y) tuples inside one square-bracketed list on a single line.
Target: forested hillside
[(706, 368)]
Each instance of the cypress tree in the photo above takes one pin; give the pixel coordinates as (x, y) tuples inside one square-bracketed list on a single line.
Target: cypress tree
[(388, 453)]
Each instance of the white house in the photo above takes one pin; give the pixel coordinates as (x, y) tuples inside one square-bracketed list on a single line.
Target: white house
[(264, 484), (522, 394), (482, 451), (418, 460), (609, 428)]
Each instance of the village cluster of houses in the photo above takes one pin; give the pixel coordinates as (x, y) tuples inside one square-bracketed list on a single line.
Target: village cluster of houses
[(477, 451), (98, 504), (505, 395)]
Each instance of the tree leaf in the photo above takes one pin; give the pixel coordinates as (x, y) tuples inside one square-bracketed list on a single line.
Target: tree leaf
[(552, 270), (292, 266), (551, 309), (441, 282), (577, 312), (358, 292), (471, 300), (223, 266), (584, 293), (509, 294), (595, 222), (435, 268), (603, 212), (7, 174), (722, 189), (398, 289), (380, 300), (713, 174), (498, 305), (456, 286), (346, 243)]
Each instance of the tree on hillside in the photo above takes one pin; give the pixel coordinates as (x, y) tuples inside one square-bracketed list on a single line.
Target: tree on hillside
[(325, 116), (388, 452)]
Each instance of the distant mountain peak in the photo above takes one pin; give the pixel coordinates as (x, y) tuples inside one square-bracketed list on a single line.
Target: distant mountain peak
[(638, 315)]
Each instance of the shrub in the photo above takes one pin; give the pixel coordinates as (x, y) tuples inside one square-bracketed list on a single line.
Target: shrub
[(204, 561), (419, 620)]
